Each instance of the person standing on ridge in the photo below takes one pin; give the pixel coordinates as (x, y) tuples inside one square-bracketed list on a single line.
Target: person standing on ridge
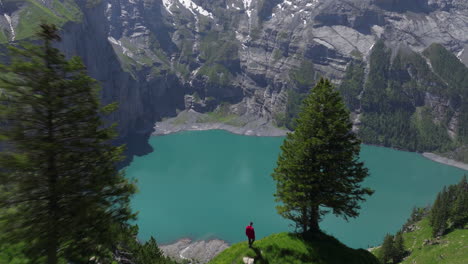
[(250, 233)]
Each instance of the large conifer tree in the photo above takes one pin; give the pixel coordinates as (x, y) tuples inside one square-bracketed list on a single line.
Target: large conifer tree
[(319, 166), (59, 184)]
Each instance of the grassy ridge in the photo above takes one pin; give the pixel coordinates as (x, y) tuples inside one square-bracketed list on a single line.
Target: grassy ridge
[(451, 248), (291, 248)]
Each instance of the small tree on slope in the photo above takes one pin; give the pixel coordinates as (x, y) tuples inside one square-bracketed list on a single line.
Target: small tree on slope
[(387, 250), (460, 205), (59, 183), (439, 214), (399, 250), (318, 167)]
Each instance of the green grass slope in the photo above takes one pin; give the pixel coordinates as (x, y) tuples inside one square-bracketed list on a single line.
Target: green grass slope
[(293, 249), (32, 13), (451, 248)]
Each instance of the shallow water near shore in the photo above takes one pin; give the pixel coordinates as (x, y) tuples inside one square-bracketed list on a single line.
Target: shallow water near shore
[(210, 184)]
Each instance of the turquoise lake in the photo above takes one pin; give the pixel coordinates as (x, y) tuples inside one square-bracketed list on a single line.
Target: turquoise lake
[(210, 184)]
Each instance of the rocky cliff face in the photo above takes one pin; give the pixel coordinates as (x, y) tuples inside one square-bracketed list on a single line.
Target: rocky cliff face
[(253, 55)]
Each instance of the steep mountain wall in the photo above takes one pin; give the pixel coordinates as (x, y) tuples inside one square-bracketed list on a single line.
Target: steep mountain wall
[(260, 57)]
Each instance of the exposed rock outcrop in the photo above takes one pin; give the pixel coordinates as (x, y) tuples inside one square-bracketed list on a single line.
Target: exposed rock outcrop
[(150, 54)]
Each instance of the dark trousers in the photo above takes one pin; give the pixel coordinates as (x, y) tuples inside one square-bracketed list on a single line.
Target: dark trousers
[(251, 240)]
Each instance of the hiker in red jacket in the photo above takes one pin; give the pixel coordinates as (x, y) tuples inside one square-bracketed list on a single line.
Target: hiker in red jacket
[(250, 233)]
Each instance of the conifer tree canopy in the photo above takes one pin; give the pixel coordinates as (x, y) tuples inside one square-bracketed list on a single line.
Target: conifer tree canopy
[(399, 250), (387, 249), (60, 190), (318, 170), (439, 213), (460, 206), (450, 208)]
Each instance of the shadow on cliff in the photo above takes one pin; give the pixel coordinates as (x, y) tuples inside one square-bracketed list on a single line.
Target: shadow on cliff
[(402, 6), (141, 102)]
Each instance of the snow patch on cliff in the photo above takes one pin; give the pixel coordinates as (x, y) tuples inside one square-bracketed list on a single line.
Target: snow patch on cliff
[(460, 54), (294, 7), (247, 4), (195, 8), (191, 6), (168, 4)]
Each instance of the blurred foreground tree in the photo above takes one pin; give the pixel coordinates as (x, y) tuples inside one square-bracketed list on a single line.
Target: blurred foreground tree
[(319, 165), (60, 190)]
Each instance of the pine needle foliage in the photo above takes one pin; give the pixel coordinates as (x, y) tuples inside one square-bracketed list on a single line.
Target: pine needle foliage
[(459, 210), (439, 214), (60, 189), (392, 249), (399, 248), (450, 209), (387, 250), (318, 170), (130, 250)]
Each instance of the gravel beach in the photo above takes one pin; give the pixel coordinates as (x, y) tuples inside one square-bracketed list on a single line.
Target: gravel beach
[(194, 121), (446, 161)]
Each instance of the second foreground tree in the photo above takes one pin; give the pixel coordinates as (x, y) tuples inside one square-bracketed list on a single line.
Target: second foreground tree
[(318, 170), (61, 194)]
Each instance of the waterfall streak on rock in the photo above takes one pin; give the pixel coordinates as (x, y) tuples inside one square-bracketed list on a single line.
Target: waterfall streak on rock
[(8, 18)]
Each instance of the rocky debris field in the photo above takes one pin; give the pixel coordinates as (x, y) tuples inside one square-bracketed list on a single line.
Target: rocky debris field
[(194, 121), (196, 251)]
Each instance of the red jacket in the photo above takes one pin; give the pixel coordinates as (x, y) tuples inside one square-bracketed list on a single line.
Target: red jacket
[(250, 232)]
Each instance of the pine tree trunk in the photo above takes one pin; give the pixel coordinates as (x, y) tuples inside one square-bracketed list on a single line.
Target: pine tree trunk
[(52, 248), (52, 176), (52, 244), (305, 220), (314, 219)]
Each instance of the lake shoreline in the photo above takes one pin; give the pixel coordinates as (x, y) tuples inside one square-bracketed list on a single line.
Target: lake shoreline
[(188, 121), (444, 160), (191, 121), (189, 150)]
